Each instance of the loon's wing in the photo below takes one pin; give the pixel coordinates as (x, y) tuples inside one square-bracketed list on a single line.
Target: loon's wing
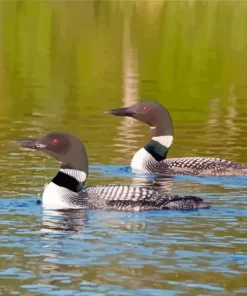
[(131, 198), (111, 195), (199, 166), (172, 202)]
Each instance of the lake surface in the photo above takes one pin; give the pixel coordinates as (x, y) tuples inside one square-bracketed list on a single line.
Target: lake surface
[(62, 64)]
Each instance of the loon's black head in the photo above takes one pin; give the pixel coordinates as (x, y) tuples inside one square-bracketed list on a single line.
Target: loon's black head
[(149, 112), (66, 148)]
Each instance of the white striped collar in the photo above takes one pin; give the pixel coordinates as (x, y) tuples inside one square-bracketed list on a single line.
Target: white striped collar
[(164, 140), (80, 176)]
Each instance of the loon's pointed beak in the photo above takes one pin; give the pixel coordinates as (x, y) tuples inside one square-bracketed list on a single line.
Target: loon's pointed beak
[(121, 112), (31, 144)]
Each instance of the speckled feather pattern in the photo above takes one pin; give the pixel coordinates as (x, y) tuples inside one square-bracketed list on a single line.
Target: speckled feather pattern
[(200, 166), (130, 198)]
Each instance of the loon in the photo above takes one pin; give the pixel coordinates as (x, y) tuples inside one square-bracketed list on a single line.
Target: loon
[(67, 191), (152, 158)]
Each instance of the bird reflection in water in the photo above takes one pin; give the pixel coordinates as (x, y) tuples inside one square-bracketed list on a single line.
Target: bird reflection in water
[(63, 221), (163, 184)]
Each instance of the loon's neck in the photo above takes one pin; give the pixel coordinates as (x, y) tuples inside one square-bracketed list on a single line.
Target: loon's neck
[(156, 150), (159, 146), (161, 138), (72, 180), (63, 188)]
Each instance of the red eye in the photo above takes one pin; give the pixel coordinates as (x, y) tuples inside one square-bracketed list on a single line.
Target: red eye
[(54, 141), (145, 108)]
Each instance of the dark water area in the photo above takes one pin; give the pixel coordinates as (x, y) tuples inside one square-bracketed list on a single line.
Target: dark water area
[(62, 64)]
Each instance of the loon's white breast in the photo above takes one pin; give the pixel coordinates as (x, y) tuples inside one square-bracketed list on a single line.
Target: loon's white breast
[(54, 197), (139, 160)]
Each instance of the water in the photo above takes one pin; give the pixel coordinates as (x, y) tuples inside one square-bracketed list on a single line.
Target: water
[(62, 64)]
